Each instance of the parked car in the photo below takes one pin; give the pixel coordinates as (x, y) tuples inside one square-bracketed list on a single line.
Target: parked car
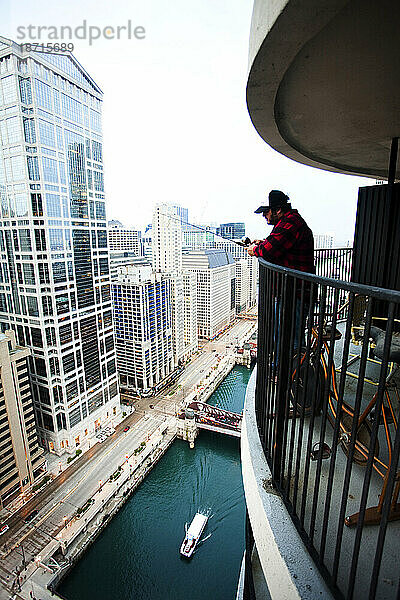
[(31, 516), (3, 529), (127, 428)]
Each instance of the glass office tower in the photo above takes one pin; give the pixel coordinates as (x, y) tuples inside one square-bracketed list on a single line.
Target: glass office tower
[(54, 279)]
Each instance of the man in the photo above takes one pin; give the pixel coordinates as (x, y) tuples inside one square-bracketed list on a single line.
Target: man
[(290, 244)]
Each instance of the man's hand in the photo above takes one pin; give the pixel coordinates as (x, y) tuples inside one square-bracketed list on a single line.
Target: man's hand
[(250, 250)]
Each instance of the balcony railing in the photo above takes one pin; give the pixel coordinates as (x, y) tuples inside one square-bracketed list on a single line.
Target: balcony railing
[(327, 407)]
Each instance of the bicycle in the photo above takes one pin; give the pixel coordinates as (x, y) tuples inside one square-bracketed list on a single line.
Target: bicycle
[(316, 367)]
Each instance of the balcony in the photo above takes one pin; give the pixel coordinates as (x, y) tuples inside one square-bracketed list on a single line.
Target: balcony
[(320, 443)]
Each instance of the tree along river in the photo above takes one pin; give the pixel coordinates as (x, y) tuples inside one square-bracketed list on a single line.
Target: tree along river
[(137, 556)]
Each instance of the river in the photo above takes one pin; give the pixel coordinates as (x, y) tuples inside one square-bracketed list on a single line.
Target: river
[(137, 555)]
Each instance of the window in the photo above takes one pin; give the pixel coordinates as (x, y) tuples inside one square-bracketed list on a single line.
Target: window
[(25, 90), (50, 172), (43, 95), (47, 306), (71, 390), (40, 365), (68, 363), (59, 272), (33, 168), (40, 240), (29, 274), (9, 90), (44, 273), (98, 181), (100, 211), (97, 151), (54, 366), (103, 263), (102, 239), (37, 206), (75, 416), (25, 240), (29, 131), (62, 304), (65, 334), (56, 239), (53, 205), (51, 336), (47, 133), (33, 310)]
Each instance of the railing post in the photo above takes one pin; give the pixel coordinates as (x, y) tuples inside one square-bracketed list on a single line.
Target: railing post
[(284, 305)]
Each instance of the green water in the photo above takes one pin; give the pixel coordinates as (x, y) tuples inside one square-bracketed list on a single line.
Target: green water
[(137, 555)]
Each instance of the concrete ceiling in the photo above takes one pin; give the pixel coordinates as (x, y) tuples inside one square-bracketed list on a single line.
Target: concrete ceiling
[(324, 81)]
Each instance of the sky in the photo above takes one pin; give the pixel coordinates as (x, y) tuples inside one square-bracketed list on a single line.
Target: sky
[(175, 123)]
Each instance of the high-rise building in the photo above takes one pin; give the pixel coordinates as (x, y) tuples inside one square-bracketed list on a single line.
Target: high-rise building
[(191, 341), (122, 239), (198, 237), (55, 282), (200, 241), (231, 231), (167, 239), (182, 213), (242, 287), (143, 327), (21, 458), (167, 258), (215, 271)]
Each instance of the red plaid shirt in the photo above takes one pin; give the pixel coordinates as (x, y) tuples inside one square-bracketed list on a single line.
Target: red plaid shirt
[(290, 244)]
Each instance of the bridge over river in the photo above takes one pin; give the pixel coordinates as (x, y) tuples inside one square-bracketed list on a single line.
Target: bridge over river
[(216, 419)]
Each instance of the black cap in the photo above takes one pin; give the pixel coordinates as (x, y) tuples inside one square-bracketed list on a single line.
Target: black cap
[(276, 199)]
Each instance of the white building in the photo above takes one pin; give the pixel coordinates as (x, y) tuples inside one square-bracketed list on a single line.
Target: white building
[(167, 239), (167, 258), (203, 239), (190, 312), (143, 327), (242, 287), (21, 459), (55, 283), (215, 271), (122, 239)]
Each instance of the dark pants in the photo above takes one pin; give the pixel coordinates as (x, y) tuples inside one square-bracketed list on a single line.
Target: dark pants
[(299, 329)]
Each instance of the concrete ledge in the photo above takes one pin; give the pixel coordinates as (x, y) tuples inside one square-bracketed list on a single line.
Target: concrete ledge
[(287, 566)]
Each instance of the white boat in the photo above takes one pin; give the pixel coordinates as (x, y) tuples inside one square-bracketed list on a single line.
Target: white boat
[(193, 534)]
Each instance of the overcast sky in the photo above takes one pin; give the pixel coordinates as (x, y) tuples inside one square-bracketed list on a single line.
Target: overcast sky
[(175, 121)]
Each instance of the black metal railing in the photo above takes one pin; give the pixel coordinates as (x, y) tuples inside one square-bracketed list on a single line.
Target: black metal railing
[(327, 406), (335, 263)]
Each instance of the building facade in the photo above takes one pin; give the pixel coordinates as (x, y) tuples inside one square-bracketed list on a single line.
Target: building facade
[(215, 272), (191, 340), (167, 242), (231, 231), (55, 282), (122, 239), (143, 328), (21, 458), (242, 287)]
